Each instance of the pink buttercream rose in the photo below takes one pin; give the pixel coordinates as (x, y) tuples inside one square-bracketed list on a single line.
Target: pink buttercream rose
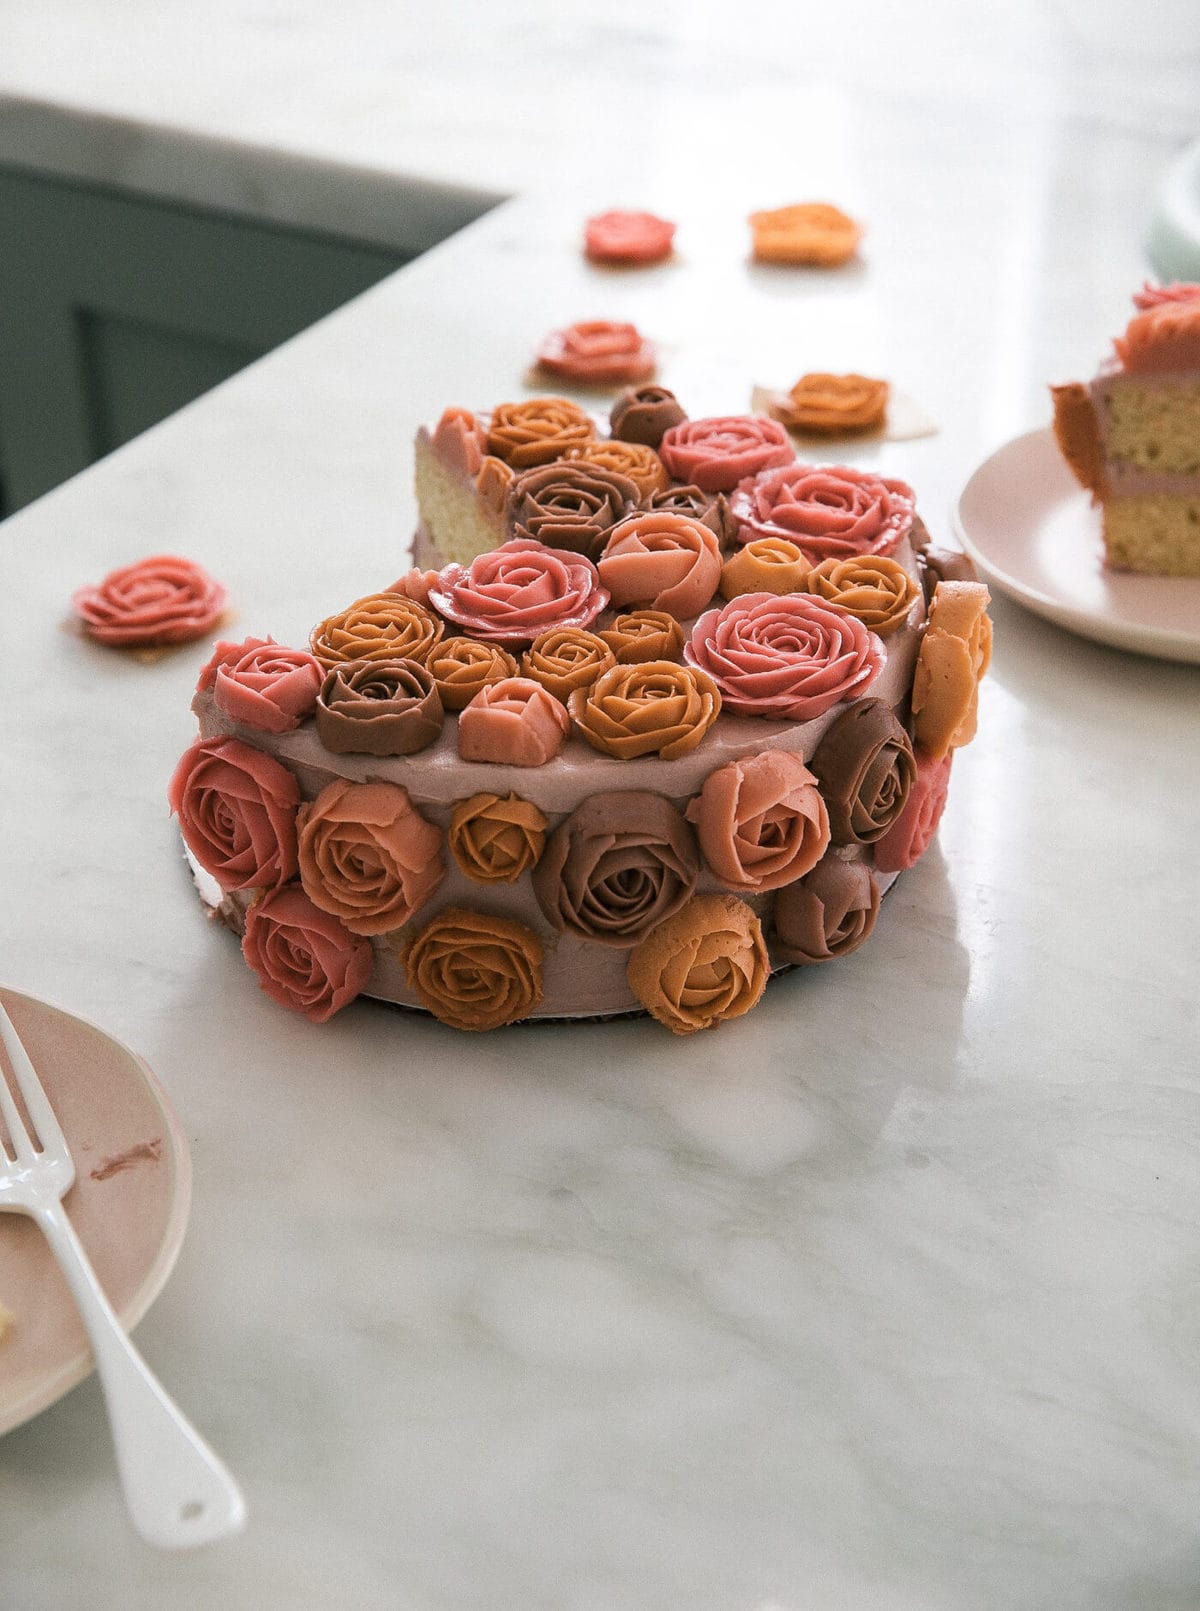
[(715, 454), (260, 683), (514, 722), (518, 591), (237, 813), (460, 441), (793, 656), (305, 958), (828, 511), (663, 560), (160, 600), (907, 840), (761, 821)]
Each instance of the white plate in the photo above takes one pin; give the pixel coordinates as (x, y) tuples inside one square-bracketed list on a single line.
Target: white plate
[(1034, 532)]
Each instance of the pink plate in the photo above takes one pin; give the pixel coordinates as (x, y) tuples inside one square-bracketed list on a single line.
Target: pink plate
[(129, 1204), (1032, 530)]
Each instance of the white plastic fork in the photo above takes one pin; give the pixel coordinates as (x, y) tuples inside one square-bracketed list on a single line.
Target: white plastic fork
[(177, 1491)]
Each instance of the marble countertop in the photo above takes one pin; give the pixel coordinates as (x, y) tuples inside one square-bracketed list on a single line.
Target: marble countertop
[(884, 1297)]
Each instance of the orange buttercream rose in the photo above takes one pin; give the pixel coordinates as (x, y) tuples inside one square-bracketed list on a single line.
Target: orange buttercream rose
[(879, 591), (658, 708), (761, 821), (811, 232), (706, 963), (492, 484), (766, 565), (462, 666), (664, 560), (367, 855), (634, 460), (538, 431), (566, 658), (495, 839), (383, 626), (955, 652), (640, 635), (475, 970), (833, 404)]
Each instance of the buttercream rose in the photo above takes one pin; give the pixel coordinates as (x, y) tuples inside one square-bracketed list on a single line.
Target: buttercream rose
[(598, 352), (945, 565), (496, 838), (262, 684), (864, 764), (830, 511), (655, 708), (475, 970), (878, 591), (518, 591), (379, 707), (767, 565), (304, 958), (705, 963), (814, 233), (636, 636), (537, 431), (516, 722), (383, 626), (645, 414), (663, 560), (368, 855), (462, 666), (569, 505), (761, 821), (836, 403), (156, 601), (620, 863), (237, 813), (565, 658), (632, 460), (909, 836), (415, 584), (715, 454), (956, 650), (710, 507), (460, 441), (794, 656), (826, 914), (621, 236)]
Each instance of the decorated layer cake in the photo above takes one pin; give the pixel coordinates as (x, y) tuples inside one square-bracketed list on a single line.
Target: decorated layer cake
[(661, 710), (1132, 435)]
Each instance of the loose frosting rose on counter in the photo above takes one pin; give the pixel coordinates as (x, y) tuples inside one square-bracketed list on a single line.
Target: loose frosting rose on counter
[(761, 821), (496, 838), (460, 441), (793, 656), (710, 507), (766, 565), (826, 914), (662, 560), (833, 404), (810, 233), (829, 511), (864, 764), (704, 964), (537, 431), (152, 603), (644, 414), (627, 237), (632, 460), (237, 812), (475, 970), (368, 855), (571, 504), (518, 591), (636, 636), (651, 708), (598, 352), (379, 707), (305, 958), (956, 650), (715, 454), (619, 864), (910, 835), (382, 626), (516, 722), (462, 666), (566, 658), (262, 684), (878, 591)]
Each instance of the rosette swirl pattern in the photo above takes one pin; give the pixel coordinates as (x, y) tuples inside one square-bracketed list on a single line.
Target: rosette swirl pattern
[(715, 454), (761, 821), (632, 460), (496, 838), (570, 504), (368, 855), (627, 237), (237, 813), (537, 431), (662, 560), (475, 970), (565, 658), (156, 601), (382, 626), (826, 914), (878, 591), (259, 683), (598, 352), (304, 958), (793, 657), (864, 764), (910, 835), (516, 722), (462, 666), (379, 707), (829, 511), (640, 635), (710, 507), (704, 964), (956, 651), (645, 414), (619, 864), (766, 565), (655, 708), (837, 403), (518, 591)]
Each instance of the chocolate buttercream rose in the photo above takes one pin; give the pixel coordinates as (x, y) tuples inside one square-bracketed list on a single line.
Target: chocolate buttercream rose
[(566, 658), (865, 767), (829, 511), (644, 414), (826, 914), (715, 454), (383, 626), (705, 963), (475, 970), (910, 835), (237, 813), (761, 821), (518, 591), (262, 684), (379, 707), (537, 431), (663, 560), (636, 636), (305, 958), (568, 505), (462, 666), (655, 708), (620, 863), (878, 591), (793, 656), (368, 855), (496, 838)]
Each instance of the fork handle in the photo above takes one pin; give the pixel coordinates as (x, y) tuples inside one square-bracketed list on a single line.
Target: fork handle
[(177, 1491)]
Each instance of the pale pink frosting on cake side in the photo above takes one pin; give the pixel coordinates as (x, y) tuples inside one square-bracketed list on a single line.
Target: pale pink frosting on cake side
[(262, 683), (828, 511), (516, 592), (714, 454), (663, 560)]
